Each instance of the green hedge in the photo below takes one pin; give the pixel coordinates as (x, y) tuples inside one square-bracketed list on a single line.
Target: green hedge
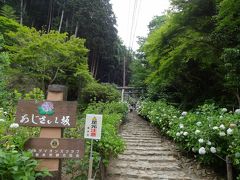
[(207, 131)]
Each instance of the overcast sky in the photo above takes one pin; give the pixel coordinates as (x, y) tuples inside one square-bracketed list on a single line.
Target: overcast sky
[(123, 9)]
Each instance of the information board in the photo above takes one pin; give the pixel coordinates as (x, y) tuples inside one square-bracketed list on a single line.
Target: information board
[(47, 113), (93, 126)]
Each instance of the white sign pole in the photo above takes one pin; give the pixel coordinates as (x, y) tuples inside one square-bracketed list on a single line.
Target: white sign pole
[(93, 129), (90, 162)]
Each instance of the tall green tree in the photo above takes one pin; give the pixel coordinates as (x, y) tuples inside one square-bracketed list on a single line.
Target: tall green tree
[(182, 56), (8, 12), (226, 37), (92, 20), (39, 59)]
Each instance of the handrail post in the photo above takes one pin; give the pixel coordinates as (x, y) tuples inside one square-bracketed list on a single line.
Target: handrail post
[(229, 168)]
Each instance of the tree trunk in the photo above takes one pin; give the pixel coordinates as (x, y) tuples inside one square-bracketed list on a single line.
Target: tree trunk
[(76, 30), (66, 25), (21, 15), (50, 15), (238, 97), (93, 64), (96, 68), (60, 25)]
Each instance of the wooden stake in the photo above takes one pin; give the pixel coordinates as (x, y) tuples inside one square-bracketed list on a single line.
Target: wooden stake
[(55, 93), (229, 168), (90, 162)]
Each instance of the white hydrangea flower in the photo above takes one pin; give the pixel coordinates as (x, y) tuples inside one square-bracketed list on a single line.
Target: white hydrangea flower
[(220, 117), (201, 140), (202, 151), (5, 112), (170, 123), (181, 126), (224, 110), (237, 111), (197, 112), (181, 117), (181, 132), (197, 131), (14, 125), (215, 128), (199, 123), (178, 134), (2, 120), (229, 131), (222, 133), (222, 126), (185, 133), (209, 143), (213, 150), (184, 113)]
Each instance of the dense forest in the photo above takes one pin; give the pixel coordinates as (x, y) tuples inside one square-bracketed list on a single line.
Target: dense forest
[(90, 20), (192, 54)]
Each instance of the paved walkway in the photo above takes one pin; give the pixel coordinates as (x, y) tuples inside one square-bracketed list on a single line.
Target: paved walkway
[(147, 155)]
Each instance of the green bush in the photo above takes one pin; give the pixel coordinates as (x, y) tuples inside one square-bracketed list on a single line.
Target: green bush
[(15, 165), (110, 144), (207, 131), (100, 92)]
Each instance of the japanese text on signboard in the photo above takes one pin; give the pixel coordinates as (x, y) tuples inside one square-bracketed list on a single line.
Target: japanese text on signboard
[(46, 113), (93, 126)]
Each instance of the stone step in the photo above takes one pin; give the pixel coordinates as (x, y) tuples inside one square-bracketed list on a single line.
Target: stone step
[(149, 174), (138, 136), (134, 158), (148, 153), (156, 144), (159, 141), (157, 148), (138, 130), (142, 165), (126, 177), (141, 138)]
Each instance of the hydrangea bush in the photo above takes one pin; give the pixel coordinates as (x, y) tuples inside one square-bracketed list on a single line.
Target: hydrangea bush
[(207, 132), (15, 163)]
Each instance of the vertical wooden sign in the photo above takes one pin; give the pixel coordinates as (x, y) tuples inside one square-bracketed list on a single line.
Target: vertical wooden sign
[(52, 116), (55, 93)]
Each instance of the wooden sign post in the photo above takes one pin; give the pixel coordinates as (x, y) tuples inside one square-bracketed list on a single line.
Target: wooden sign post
[(52, 116), (55, 93)]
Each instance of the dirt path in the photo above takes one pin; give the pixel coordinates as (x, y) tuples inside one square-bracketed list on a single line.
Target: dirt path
[(148, 156)]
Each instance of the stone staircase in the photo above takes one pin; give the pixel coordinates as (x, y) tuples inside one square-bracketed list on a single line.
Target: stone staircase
[(146, 156)]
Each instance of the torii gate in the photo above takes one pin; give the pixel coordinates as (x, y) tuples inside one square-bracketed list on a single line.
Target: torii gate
[(130, 91)]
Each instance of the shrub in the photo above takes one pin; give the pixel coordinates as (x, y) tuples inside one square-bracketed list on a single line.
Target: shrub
[(100, 92), (207, 131), (110, 143), (15, 165)]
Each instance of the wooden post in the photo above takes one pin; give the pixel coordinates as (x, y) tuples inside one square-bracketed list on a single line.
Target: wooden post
[(55, 93), (229, 168), (90, 162)]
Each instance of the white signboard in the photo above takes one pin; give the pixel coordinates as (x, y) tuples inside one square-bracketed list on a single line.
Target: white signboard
[(93, 126)]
